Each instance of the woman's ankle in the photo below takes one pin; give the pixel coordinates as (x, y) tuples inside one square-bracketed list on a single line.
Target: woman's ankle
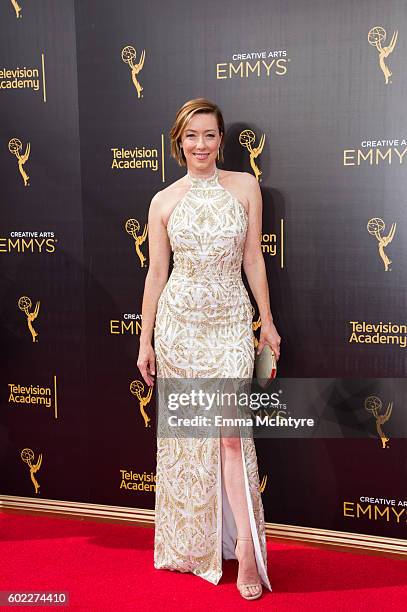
[(244, 546)]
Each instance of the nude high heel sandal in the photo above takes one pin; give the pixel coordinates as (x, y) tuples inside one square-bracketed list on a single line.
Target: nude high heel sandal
[(243, 586)]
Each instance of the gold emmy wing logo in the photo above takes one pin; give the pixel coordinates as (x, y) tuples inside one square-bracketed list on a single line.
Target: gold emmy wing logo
[(15, 147), (246, 138), (376, 36), (374, 405), (263, 483), (27, 455), (129, 57), (375, 226), (133, 227), (137, 389), (25, 305), (17, 8)]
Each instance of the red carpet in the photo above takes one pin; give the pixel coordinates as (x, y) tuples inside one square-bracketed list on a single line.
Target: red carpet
[(108, 566)]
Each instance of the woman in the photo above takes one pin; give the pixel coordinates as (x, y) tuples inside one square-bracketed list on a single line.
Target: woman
[(208, 503)]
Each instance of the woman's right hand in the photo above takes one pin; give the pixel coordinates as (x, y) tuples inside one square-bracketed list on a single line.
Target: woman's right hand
[(146, 363)]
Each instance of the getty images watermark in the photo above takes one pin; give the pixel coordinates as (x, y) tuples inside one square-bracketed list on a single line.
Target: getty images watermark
[(287, 408), (228, 407)]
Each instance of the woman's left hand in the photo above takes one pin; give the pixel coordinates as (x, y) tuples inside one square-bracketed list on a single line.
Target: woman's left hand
[(269, 335)]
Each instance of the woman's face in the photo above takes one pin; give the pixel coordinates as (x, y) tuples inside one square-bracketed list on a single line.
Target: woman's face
[(200, 141)]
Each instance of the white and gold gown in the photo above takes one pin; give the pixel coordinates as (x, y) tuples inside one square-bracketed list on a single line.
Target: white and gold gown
[(203, 329)]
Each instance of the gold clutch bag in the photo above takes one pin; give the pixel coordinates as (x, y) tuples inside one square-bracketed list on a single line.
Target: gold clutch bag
[(266, 366)]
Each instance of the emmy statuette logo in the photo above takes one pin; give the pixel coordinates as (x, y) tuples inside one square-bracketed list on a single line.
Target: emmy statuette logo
[(129, 57), (375, 226), (15, 147), (25, 305), (27, 455), (17, 8), (374, 405), (263, 483), (137, 389), (133, 227), (246, 138), (376, 36)]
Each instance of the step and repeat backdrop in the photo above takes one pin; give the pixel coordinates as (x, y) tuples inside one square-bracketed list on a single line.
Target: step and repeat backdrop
[(313, 96)]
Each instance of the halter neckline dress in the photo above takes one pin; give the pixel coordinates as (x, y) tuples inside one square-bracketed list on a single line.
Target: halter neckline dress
[(203, 329)]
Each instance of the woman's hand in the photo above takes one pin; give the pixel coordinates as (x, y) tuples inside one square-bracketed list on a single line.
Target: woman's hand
[(269, 335), (146, 363)]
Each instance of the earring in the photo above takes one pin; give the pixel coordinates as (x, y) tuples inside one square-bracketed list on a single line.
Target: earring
[(218, 156)]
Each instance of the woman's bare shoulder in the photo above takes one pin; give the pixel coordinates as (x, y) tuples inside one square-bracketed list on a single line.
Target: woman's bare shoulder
[(172, 191), (165, 200), (240, 178), (240, 184)]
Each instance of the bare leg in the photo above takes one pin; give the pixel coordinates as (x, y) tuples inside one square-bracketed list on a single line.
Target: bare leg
[(232, 468)]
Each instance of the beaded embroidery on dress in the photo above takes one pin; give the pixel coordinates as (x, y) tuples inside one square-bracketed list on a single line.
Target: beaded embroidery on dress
[(204, 329)]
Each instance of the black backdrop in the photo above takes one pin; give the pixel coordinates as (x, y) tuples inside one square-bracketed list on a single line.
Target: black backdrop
[(306, 75)]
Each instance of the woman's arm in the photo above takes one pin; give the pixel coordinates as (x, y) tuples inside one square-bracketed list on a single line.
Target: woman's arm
[(255, 269), (159, 252)]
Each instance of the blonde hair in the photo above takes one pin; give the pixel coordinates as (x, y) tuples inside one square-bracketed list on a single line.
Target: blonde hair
[(184, 115)]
